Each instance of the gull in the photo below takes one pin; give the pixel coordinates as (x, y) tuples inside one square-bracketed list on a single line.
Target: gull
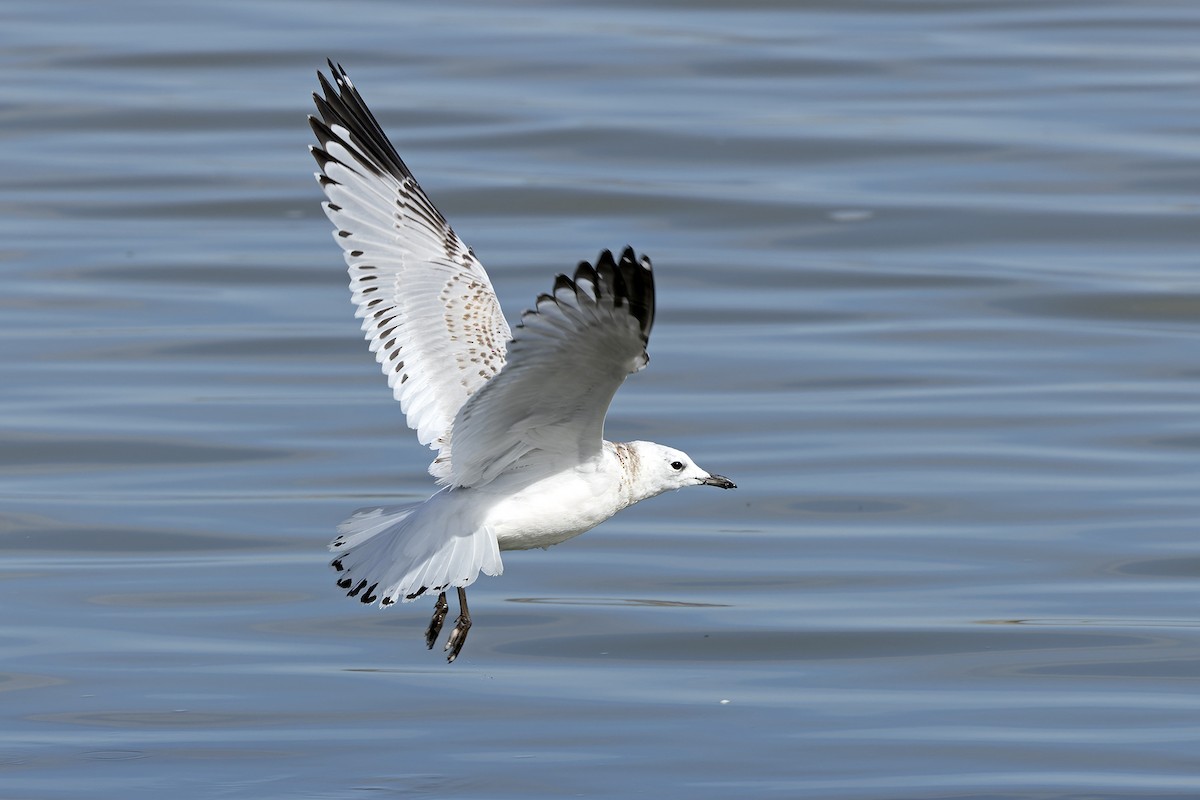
[(516, 415)]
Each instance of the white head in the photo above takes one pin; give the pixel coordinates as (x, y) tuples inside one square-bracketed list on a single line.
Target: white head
[(660, 469)]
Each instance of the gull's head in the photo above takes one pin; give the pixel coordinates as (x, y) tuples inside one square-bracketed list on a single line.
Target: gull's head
[(665, 468)]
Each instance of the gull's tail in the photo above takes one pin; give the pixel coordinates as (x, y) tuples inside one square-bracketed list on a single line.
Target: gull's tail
[(394, 553)]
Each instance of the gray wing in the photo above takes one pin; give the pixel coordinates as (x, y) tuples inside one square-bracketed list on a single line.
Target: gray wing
[(566, 360), (427, 305)]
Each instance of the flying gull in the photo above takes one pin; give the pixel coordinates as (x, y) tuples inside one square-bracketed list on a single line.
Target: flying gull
[(516, 416)]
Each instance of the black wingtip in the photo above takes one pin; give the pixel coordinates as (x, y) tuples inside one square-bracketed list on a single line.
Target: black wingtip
[(336, 70), (563, 283), (632, 282), (626, 282), (639, 282), (339, 103)]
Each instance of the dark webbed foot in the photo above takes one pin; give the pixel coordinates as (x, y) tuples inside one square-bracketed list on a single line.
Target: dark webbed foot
[(458, 636), (435, 625)]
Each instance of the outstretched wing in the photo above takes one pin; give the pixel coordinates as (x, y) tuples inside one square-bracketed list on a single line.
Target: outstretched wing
[(427, 306), (567, 359)]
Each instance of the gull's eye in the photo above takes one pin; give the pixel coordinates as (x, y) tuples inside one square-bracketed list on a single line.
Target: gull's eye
[(676, 465)]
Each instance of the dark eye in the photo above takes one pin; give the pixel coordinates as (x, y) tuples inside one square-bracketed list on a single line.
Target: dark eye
[(676, 465)]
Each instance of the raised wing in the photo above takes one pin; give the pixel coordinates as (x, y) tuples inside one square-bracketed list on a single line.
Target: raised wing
[(427, 306), (567, 359)]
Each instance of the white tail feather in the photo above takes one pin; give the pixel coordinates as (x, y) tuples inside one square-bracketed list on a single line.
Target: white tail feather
[(397, 553)]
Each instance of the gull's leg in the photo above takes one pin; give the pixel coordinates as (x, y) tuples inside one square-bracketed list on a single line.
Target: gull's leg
[(454, 644), (435, 625)]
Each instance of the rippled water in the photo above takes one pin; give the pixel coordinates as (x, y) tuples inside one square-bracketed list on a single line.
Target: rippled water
[(929, 293)]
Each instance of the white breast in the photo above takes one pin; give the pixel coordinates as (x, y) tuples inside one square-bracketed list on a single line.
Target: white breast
[(554, 509)]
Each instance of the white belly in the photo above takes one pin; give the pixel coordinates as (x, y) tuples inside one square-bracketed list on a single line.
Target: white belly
[(552, 510)]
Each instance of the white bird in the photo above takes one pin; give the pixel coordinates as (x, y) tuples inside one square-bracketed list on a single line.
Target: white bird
[(516, 416)]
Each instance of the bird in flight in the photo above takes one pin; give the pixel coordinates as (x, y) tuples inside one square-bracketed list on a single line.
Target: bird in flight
[(516, 416)]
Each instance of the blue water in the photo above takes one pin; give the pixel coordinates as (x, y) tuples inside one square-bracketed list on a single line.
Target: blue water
[(928, 291)]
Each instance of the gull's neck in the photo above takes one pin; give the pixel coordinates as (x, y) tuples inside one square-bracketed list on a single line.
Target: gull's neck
[(631, 488)]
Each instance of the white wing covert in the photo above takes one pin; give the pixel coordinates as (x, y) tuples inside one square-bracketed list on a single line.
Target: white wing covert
[(428, 308), (565, 362)]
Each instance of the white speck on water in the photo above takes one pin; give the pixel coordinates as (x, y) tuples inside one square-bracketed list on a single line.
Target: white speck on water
[(851, 215)]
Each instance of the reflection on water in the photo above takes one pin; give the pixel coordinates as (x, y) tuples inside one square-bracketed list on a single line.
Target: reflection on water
[(928, 290), (611, 601)]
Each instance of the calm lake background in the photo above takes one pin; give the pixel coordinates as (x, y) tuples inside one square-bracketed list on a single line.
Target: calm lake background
[(929, 291)]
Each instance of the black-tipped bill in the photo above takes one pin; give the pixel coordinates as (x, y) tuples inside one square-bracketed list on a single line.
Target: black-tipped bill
[(719, 481)]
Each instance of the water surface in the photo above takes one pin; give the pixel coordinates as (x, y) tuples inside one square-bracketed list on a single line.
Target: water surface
[(928, 292)]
